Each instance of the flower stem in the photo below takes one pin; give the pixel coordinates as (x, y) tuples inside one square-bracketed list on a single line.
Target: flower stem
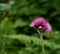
[(41, 37)]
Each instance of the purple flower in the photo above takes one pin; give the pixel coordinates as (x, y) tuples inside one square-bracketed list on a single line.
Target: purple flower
[(41, 24)]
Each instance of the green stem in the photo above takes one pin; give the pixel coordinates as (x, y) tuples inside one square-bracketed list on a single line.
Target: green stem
[(41, 37)]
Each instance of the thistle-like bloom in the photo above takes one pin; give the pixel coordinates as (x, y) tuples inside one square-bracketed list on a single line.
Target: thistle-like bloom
[(41, 24)]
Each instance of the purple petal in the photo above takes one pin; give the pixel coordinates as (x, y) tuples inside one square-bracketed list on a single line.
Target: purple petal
[(37, 21), (48, 27)]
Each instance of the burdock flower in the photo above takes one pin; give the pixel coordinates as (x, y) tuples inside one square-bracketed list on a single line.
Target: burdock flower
[(41, 24)]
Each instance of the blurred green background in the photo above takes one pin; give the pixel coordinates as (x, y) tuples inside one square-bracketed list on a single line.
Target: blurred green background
[(16, 37)]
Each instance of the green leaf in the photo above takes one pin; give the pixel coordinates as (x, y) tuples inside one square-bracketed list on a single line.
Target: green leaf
[(36, 41), (20, 23), (4, 6)]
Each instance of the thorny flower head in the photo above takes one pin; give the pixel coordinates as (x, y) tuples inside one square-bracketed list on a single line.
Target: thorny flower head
[(41, 24)]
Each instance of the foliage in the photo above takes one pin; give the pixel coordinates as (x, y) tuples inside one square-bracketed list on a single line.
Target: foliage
[(16, 37)]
